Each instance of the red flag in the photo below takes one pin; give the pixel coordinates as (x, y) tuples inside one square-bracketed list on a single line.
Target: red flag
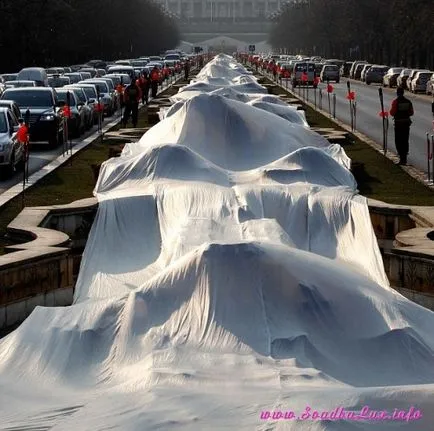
[(23, 134), (329, 88), (383, 114), (67, 111), (351, 95), (304, 77), (316, 80), (100, 107)]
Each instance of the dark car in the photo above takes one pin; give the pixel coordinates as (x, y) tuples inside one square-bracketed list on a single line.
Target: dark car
[(46, 122), (376, 74), (345, 69)]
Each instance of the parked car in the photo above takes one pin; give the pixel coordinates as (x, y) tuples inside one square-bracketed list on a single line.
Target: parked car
[(8, 77), (74, 77), (391, 77), (13, 106), (55, 70), (85, 75), (58, 81), (420, 81), (77, 121), (93, 72), (100, 72), (86, 108), (19, 84), (11, 151), (122, 69), (46, 123), (358, 70), (375, 74), (430, 85), (345, 69), (318, 68), (330, 72), (402, 78), (105, 95), (363, 72), (354, 66), (298, 71), (37, 74), (92, 95), (118, 77), (410, 78)]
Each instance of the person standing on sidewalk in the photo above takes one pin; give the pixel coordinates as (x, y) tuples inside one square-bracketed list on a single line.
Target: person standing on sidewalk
[(401, 111), (132, 97), (155, 80), (186, 70)]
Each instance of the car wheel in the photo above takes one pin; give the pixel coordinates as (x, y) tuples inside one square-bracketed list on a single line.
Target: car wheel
[(337, 81), (368, 83)]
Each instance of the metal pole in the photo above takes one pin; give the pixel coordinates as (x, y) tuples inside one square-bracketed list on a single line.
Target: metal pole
[(351, 106), (428, 156), (380, 93), (355, 114), (320, 99), (314, 93), (432, 156), (334, 105)]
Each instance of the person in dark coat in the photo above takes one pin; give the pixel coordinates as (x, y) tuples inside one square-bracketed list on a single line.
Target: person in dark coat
[(401, 111), (132, 97)]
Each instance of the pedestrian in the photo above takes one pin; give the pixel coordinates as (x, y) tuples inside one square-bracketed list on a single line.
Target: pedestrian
[(132, 97), (147, 86), (155, 80), (401, 111), (142, 83), (186, 69)]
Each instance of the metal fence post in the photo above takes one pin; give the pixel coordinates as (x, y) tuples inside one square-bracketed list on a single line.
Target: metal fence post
[(334, 105)]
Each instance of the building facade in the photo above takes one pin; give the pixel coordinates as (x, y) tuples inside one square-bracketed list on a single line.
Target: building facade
[(216, 10)]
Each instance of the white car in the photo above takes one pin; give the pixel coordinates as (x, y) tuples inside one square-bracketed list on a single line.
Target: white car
[(419, 83), (11, 151)]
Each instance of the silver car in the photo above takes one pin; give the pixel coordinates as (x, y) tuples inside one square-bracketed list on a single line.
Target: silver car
[(420, 81), (330, 72), (11, 151)]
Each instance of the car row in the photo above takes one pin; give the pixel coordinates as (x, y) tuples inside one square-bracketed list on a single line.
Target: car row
[(38, 95)]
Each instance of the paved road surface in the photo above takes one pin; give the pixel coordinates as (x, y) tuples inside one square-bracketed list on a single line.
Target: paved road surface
[(370, 123)]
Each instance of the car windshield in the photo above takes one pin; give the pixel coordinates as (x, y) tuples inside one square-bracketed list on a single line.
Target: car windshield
[(79, 94), (102, 86), (336, 68), (3, 123), (90, 92), (26, 98), (110, 83), (61, 96), (115, 79)]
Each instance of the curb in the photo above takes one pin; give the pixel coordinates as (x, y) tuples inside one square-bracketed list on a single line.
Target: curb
[(413, 172), (17, 189)]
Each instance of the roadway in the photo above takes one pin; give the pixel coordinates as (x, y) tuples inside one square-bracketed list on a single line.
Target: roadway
[(370, 123)]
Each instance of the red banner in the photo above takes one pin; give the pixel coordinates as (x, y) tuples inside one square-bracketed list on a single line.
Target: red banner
[(351, 95), (23, 134), (330, 88)]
